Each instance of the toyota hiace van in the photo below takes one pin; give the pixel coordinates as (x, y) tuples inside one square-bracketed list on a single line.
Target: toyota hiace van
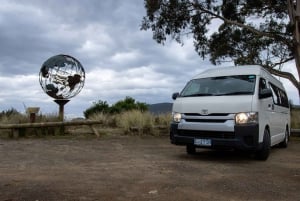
[(243, 108)]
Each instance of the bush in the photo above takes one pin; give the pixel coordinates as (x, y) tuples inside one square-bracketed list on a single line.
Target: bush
[(121, 106), (97, 108)]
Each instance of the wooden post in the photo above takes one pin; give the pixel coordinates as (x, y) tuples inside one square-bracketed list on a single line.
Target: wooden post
[(95, 130)]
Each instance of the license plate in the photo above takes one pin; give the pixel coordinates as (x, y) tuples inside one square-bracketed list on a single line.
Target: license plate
[(202, 142)]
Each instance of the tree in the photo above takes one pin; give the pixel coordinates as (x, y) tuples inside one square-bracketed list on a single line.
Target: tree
[(97, 107), (121, 106), (128, 104), (263, 32)]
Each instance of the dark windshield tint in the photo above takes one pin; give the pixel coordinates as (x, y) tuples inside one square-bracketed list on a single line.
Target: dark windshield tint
[(220, 86)]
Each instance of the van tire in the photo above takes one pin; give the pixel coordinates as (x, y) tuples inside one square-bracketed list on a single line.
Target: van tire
[(284, 143), (190, 149), (264, 151)]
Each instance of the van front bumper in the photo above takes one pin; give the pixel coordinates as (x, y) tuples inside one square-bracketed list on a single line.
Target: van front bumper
[(244, 137)]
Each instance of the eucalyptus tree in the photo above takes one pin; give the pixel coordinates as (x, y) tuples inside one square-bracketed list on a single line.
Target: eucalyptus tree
[(263, 32)]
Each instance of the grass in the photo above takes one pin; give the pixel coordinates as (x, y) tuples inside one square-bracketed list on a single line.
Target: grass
[(132, 122), (135, 122), (15, 118), (127, 123)]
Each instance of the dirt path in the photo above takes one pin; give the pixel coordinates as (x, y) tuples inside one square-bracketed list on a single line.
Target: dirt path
[(136, 168)]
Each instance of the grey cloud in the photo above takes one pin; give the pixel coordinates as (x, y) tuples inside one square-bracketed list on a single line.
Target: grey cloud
[(119, 59)]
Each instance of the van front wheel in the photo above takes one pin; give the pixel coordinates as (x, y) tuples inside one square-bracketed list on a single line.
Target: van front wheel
[(264, 151)]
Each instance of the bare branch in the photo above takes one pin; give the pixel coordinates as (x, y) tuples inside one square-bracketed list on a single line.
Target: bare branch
[(251, 29), (283, 74)]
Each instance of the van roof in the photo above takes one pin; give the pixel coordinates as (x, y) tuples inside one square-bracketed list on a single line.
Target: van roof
[(237, 70), (232, 70)]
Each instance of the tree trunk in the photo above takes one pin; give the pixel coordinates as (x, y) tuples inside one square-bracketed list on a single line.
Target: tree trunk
[(294, 14), (297, 62)]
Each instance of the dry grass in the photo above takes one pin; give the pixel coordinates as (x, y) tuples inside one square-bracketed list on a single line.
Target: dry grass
[(16, 118), (13, 119), (22, 118), (129, 123), (132, 122), (135, 122)]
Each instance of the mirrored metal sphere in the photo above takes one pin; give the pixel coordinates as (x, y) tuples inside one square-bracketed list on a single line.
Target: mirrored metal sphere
[(62, 76)]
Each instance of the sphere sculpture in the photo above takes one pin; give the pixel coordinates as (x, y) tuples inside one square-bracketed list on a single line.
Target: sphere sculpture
[(62, 77)]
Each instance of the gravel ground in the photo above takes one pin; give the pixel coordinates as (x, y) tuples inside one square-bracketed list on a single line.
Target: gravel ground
[(142, 168)]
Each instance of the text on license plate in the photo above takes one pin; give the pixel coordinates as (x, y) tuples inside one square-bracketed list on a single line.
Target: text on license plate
[(202, 142)]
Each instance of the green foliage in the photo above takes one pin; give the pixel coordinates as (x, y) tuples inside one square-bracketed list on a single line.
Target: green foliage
[(97, 107), (123, 105), (128, 104), (248, 31)]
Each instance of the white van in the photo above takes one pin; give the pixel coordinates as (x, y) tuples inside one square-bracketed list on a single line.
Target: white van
[(242, 107)]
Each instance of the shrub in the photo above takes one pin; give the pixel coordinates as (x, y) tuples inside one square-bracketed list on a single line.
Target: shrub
[(121, 106), (96, 108)]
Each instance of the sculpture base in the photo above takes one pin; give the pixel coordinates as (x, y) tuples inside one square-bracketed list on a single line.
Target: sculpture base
[(61, 103)]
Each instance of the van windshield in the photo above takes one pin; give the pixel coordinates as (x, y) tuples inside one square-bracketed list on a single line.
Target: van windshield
[(220, 86)]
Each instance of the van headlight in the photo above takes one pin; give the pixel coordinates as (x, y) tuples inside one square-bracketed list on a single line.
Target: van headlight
[(176, 117), (246, 117)]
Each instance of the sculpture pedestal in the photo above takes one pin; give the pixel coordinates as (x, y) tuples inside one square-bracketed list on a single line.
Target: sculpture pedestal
[(61, 103)]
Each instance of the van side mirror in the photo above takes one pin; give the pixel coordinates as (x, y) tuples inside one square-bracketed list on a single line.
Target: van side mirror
[(265, 93), (175, 95)]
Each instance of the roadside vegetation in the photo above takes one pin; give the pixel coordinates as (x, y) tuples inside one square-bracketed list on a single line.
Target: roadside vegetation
[(126, 117), (295, 118)]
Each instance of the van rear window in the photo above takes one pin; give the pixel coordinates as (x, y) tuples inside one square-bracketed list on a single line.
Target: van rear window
[(220, 86)]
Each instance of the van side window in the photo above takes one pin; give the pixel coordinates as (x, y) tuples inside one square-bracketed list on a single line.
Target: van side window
[(279, 96), (262, 84), (276, 98), (284, 99)]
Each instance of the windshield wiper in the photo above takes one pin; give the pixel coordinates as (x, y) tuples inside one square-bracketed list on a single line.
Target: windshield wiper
[(200, 94), (236, 93)]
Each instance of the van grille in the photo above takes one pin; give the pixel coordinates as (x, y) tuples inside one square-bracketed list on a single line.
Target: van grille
[(207, 134), (209, 118), (206, 120), (209, 115)]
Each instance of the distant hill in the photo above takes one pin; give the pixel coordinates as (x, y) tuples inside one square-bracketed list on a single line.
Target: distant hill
[(160, 108)]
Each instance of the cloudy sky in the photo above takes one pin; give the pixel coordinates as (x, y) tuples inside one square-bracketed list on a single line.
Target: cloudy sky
[(119, 59)]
